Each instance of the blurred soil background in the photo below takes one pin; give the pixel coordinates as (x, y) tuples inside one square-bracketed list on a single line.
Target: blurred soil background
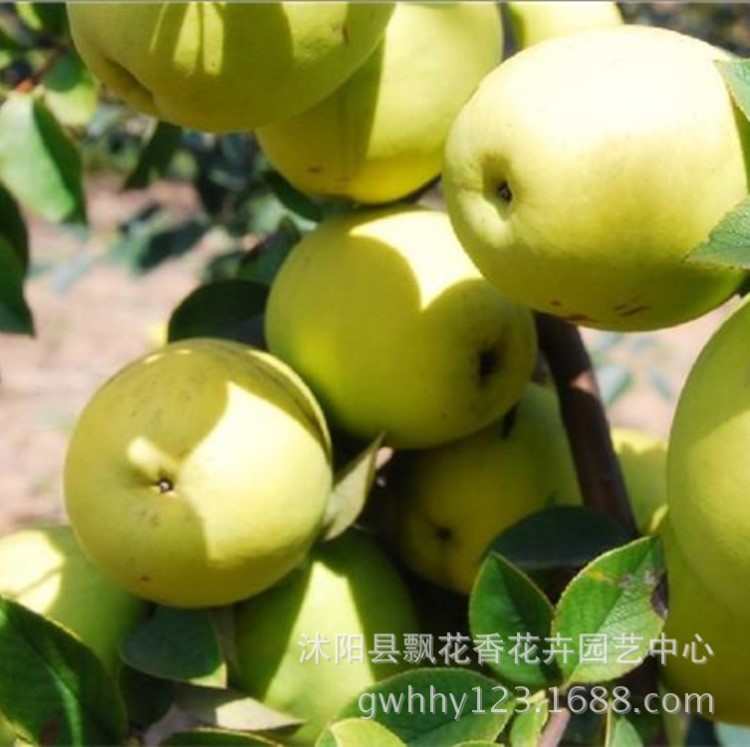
[(95, 310)]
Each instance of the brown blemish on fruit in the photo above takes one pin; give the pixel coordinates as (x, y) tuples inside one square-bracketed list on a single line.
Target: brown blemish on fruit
[(555, 302), (635, 310), (314, 169), (576, 318), (490, 361), (145, 579)]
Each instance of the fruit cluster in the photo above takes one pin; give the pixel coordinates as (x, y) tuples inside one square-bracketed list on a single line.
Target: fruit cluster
[(578, 175)]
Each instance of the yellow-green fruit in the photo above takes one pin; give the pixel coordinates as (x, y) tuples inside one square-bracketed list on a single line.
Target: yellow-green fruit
[(539, 20), (380, 136), (225, 66), (199, 474), (348, 593), (643, 460), (396, 331), (44, 569), (708, 472), (694, 610), (446, 505), (585, 169)]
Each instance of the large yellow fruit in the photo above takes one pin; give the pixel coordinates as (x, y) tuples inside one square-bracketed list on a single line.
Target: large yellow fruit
[(708, 472), (695, 610), (585, 169), (643, 460), (225, 66), (380, 136), (445, 505), (44, 569), (348, 593), (396, 331), (538, 20), (199, 474)]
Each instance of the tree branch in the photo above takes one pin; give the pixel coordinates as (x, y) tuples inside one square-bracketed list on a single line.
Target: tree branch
[(598, 469)]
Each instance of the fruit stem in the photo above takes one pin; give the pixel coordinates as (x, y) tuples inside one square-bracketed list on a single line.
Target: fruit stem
[(599, 475), (554, 731)]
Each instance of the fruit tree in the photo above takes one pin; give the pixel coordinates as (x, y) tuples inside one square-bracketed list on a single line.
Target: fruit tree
[(372, 480)]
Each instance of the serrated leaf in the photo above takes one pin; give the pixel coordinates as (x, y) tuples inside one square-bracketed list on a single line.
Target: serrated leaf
[(559, 537), (356, 732), (728, 244), (506, 603), (736, 74), (70, 90), (527, 727), (215, 738), (53, 689), (292, 199), (15, 314), (230, 309), (153, 160), (177, 644), (465, 691), (39, 165), (621, 733), (350, 490), (229, 709), (618, 594)]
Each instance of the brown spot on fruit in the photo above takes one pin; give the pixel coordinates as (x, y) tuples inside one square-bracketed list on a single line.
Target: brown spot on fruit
[(635, 310), (578, 318), (145, 579), (443, 534), (314, 169)]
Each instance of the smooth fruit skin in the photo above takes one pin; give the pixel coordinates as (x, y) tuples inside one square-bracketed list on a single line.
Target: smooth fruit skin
[(199, 475), (44, 569), (225, 66), (446, 505), (643, 460), (396, 331), (694, 610), (539, 20), (586, 168), (349, 588), (380, 136), (708, 472)]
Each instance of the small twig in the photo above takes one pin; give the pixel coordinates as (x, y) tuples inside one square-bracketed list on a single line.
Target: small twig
[(599, 474), (31, 81), (555, 728)]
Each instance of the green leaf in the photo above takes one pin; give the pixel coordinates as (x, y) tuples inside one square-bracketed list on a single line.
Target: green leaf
[(527, 726), (47, 17), (350, 490), (355, 732), (229, 709), (402, 704), (559, 537), (216, 738), (53, 689), (39, 165), (147, 698), (621, 733), (13, 227), (71, 91), (177, 644), (263, 261), (728, 244), (505, 608), (153, 161), (736, 74), (231, 309), (15, 315), (292, 199), (617, 599)]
